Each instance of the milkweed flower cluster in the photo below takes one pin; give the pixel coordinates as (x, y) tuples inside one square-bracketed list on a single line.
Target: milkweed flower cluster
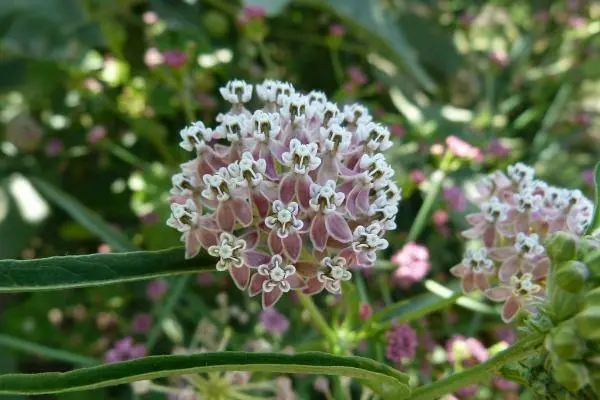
[(290, 196), (517, 213)]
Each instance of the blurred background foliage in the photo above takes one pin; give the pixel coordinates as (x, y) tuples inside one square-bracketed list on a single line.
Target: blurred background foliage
[(94, 92)]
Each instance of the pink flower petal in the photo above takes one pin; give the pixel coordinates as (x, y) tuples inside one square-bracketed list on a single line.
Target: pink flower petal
[(501, 253), (489, 234), (459, 270), (261, 203), (473, 233), (251, 238), (287, 188), (500, 293), (207, 238), (256, 283), (303, 191), (241, 276), (522, 223), (481, 281), (277, 149), (192, 245), (468, 283), (272, 297), (318, 232), (337, 227), (509, 268), (351, 206), (541, 268), (296, 282), (275, 243), (362, 200), (327, 170), (313, 286), (292, 245), (242, 211), (475, 219), (306, 268), (225, 216), (255, 258), (510, 309)]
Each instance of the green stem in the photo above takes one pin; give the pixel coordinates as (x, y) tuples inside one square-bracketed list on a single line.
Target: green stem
[(338, 71), (266, 59), (47, 352), (316, 317), (522, 349), (437, 179)]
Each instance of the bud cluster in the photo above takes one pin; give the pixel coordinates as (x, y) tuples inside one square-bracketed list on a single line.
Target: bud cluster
[(289, 196)]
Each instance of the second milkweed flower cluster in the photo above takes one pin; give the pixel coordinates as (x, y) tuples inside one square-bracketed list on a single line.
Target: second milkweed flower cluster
[(517, 214), (290, 196)]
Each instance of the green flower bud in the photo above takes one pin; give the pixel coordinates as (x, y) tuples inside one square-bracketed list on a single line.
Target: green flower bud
[(571, 276), (216, 23), (592, 298), (564, 341), (573, 376), (595, 381), (587, 245), (592, 260), (562, 246), (588, 323)]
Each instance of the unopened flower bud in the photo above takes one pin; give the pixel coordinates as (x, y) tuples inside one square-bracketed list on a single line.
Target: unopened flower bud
[(586, 246), (592, 260), (561, 246), (571, 276), (592, 298), (573, 376), (564, 341), (587, 323)]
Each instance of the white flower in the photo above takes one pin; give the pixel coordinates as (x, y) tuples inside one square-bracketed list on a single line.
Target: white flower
[(283, 90), (284, 219), (265, 125), (356, 114), (317, 97), (385, 212), (387, 189), (229, 250), (247, 171), (234, 128), (325, 198), (368, 239), (267, 91), (302, 157), (218, 185), (331, 114), (520, 173), (183, 217), (194, 136), (494, 210), (183, 185), (376, 168), (375, 136), (332, 272), (277, 274), (478, 261), (295, 107), (529, 245), (236, 91), (527, 202), (523, 286), (335, 138)]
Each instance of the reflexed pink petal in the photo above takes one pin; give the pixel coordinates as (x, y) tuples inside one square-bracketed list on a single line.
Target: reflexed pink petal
[(459, 270), (468, 283), (348, 254), (506, 229), (192, 245), (251, 239), (272, 297), (292, 244), (541, 268), (255, 258), (346, 172), (303, 191), (242, 211), (207, 238), (225, 217), (481, 281), (318, 232), (501, 253), (351, 205), (287, 188), (277, 148), (475, 219), (522, 223), (241, 276), (345, 188), (261, 203), (500, 293), (296, 282), (307, 269), (510, 309), (362, 200), (473, 233), (275, 243), (327, 170), (489, 234), (313, 286), (509, 267), (256, 283), (337, 227)]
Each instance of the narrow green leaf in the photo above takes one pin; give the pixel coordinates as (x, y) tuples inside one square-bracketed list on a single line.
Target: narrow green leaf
[(594, 227), (86, 217), (56, 273), (388, 382), (25, 346)]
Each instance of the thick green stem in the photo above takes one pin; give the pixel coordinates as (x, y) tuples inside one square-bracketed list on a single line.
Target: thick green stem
[(316, 316), (437, 179), (522, 349)]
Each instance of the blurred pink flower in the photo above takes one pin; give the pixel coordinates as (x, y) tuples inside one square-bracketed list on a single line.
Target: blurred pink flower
[(577, 22), (96, 134), (175, 58), (274, 322), (466, 351), (466, 18), (542, 16), (413, 264), (337, 30), (357, 76), (499, 57), (150, 17), (206, 101), (507, 334), (417, 176), (365, 311), (460, 148), (402, 343), (504, 384), (125, 349), (104, 248), (397, 130), (153, 57), (496, 148), (255, 11), (54, 147), (205, 279), (141, 323), (150, 218), (455, 198), (588, 177), (156, 289), (440, 221)]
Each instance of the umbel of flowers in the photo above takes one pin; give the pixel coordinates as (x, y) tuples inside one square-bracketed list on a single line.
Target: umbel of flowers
[(289, 196)]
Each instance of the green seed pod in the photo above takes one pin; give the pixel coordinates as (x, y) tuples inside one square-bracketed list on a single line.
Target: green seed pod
[(571, 276), (564, 341), (588, 323), (592, 298), (592, 260), (587, 245), (561, 246), (595, 381), (573, 376)]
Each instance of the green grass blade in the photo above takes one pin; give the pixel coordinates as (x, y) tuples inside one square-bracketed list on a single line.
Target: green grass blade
[(83, 215), (25, 346), (384, 380), (594, 227), (56, 273)]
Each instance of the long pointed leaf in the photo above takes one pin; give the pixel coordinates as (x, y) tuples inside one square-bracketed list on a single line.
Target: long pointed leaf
[(384, 380), (86, 217), (56, 273), (594, 227)]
